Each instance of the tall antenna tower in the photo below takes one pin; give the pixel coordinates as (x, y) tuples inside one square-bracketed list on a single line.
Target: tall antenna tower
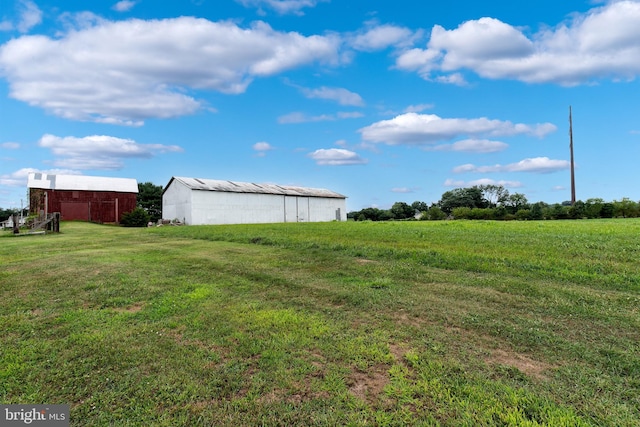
[(573, 176)]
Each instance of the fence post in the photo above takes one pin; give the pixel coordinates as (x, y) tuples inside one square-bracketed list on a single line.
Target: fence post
[(16, 223)]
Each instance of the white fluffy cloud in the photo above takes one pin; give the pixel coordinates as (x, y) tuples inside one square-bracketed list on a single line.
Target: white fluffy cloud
[(473, 146), (125, 72), (99, 151), (482, 181), (124, 6), (282, 7), (602, 43), (262, 148), (10, 145), (340, 95), (534, 165), (418, 108), (298, 117), (336, 157), (29, 15), (403, 190), (420, 129), (378, 37)]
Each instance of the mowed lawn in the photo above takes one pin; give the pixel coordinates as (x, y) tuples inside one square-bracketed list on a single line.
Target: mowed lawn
[(401, 323)]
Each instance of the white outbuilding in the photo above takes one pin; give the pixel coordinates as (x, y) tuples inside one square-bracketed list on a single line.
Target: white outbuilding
[(196, 201)]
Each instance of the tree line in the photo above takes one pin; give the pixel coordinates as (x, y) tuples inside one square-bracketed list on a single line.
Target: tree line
[(494, 202)]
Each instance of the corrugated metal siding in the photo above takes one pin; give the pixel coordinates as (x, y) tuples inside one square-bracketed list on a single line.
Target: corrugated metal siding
[(176, 203), (203, 205), (249, 187), (235, 208)]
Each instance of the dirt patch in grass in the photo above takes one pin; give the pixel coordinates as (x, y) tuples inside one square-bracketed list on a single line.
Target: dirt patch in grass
[(398, 352), (221, 351), (404, 318), (298, 394), (130, 309), (368, 386), (526, 365)]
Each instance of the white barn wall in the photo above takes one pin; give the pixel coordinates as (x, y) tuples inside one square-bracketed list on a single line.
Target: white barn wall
[(324, 209), (199, 202), (213, 207), (176, 203), (291, 209)]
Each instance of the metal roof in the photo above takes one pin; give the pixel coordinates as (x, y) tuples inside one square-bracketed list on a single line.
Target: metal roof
[(82, 183), (250, 187)]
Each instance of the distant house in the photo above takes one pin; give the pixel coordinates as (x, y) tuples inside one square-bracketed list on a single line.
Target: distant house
[(8, 223), (79, 197), (197, 201)]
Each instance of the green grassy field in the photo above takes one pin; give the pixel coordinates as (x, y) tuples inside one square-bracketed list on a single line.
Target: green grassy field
[(401, 323)]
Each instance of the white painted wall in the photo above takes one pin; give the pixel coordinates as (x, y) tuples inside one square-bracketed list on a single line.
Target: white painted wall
[(176, 203), (214, 207), (327, 209), (198, 207)]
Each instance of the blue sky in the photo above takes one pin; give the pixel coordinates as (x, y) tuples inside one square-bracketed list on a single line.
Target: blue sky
[(382, 101)]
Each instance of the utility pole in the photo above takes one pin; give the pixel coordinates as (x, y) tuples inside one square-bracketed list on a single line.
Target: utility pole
[(573, 177)]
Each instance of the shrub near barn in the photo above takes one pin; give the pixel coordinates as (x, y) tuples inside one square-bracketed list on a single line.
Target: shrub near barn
[(136, 218)]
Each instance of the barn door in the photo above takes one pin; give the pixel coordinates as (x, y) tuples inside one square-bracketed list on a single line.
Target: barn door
[(290, 209), (303, 209), (74, 211), (296, 209)]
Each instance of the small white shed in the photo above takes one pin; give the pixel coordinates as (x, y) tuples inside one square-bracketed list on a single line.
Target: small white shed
[(196, 201)]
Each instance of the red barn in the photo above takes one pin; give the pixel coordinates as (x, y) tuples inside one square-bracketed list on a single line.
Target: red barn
[(79, 197)]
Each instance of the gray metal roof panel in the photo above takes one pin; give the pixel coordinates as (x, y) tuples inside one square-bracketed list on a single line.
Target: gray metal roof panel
[(249, 187)]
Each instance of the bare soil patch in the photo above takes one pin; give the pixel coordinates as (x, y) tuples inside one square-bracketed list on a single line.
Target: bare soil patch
[(524, 364)]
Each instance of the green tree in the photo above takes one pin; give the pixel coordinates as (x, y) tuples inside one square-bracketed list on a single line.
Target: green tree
[(420, 206), (471, 197), (592, 207), (607, 210), (537, 211), (434, 214), (5, 214), (495, 195), (515, 202), (371, 214), (150, 199), (578, 210), (461, 212), (401, 210), (482, 213), (500, 213), (625, 208), (560, 211)]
